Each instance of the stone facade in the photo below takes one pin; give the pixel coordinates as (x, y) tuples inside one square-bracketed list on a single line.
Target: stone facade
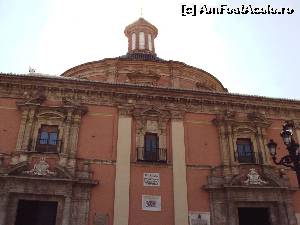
[(102, 111)]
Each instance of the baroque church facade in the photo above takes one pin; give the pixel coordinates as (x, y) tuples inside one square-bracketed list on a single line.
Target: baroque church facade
[(139, 140)]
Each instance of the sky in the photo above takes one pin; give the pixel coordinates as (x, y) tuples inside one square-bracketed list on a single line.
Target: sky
[(250, 54)]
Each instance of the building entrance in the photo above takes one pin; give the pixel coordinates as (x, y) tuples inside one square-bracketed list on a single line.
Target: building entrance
[(254, 216), (36, 212)]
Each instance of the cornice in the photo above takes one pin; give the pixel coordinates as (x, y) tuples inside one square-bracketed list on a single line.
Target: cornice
[(15, 85)]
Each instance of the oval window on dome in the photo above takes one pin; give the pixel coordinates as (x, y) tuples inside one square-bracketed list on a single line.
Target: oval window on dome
[(133, 41), (141, 40), (149, 42)]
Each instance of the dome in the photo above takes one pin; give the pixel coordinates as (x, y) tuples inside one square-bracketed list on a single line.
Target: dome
[(140, 65)]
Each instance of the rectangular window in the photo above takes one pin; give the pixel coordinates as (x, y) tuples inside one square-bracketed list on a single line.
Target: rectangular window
[(244, 153), (151, 147), (47, 139)]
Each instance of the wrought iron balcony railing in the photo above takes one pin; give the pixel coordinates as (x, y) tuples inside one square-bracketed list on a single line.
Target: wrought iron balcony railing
[(46, 145), (154, 155), (249, 157)]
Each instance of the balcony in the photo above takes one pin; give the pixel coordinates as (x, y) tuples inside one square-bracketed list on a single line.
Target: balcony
[(248, 157), (48, 146), (154, 155)]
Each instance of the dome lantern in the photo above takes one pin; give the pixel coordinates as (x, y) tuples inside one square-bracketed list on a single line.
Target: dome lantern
[(141, 35)]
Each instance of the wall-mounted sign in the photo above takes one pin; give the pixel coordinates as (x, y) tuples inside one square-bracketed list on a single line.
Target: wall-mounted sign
[(151, 179), (151, 202), (199, 218)]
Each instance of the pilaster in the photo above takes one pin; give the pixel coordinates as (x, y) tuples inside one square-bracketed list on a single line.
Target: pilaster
[(122, 180), (179, 173)]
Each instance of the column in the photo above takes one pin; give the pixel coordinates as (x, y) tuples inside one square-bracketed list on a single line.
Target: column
[(179, 173), (231, 140), (3, 207), (22, 130), (27, 130), (72, 143), (122, 180), (66, 211), (262, 141), (66, 135)]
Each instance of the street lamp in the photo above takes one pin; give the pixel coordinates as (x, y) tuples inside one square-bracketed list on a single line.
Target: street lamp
[(292, 160)]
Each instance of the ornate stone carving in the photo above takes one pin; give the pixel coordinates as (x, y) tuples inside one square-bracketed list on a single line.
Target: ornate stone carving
[(41, 168), (37, 100), (205, 85), (149, 77), (254, 178), (152, 126), (151, 120)]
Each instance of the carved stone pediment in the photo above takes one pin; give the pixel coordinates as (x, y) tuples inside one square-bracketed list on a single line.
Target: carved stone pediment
[(258, 118), (253, 177), (242, 119), (40, 168), (243, 128), (224, 117), (151, 112), (50, 114)]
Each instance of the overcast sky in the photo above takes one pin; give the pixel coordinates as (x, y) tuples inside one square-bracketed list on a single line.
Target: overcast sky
[(249, 54)]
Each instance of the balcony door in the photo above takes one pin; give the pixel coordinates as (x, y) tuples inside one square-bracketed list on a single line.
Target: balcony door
[(151, 147), (48, 139), (245, 152)]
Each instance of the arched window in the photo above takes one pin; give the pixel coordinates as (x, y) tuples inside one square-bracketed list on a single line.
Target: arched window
[(133, 41), (150, 42), (141, 40)]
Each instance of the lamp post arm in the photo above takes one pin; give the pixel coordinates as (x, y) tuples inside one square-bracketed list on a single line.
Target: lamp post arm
[(285, 161)]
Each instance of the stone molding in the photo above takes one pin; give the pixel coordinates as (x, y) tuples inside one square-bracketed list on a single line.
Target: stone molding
[(171, 99)]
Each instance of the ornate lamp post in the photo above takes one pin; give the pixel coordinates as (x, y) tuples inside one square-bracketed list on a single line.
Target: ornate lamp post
[(291, 160)]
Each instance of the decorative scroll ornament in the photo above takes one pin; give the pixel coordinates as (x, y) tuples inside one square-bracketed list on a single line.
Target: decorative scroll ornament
[(254, 178), (41, 168)]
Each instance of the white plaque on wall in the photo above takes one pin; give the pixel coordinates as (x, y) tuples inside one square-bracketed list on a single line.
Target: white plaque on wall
[(151, 179), (199, 218), (151, 202)]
